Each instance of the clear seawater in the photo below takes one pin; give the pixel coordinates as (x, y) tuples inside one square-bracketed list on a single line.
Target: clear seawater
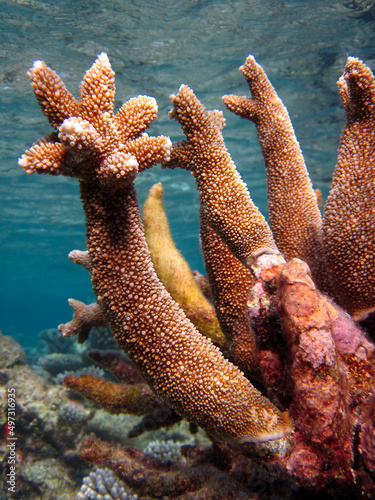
[(154, 46)]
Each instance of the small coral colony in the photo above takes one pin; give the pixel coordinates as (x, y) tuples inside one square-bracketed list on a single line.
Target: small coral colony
[(271, 350)]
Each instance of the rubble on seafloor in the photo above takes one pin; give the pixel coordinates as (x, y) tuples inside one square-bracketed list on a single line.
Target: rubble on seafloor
[(46, 458)]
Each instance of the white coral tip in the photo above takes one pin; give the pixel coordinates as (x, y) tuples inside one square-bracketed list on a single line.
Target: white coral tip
[(37, 65), (22, 162), (168, 147), (132, 162), (103, 58), (72, 126), (153, 104)]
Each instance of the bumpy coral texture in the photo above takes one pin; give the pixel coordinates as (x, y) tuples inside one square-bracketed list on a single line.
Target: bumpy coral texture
[(349, 214), (91, 138), (104, 151), (294, 214), (306, 352), (300, 335), (230, 283), (339, 249), (224, 196)]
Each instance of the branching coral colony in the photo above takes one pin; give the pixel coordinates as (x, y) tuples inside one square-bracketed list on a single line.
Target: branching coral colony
[(311, 418)]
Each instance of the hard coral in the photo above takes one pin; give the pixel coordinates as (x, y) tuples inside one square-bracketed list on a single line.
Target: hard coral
[(306, 353), (341, 243), (102, 483), (184, 368)]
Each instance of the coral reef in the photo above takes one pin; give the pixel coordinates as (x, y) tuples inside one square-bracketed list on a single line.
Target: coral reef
[(303, 351), (87, 370), (50, 423), (55, 343), (58, 354), (56, 362), (73, 416), (48, 464)]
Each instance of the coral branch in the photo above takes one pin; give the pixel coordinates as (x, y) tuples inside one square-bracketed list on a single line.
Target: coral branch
[(182, 366), (81, 258), (45, 158), (85, 317), (225, 199), (173, 270), (135, 399), (56, 101), (157, 419), (118, 365), (230, 283), (140, 112), (97, 93), (294, 214), (349, 230)]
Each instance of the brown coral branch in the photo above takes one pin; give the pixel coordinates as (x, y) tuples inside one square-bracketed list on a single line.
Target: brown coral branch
[(56, 101), (349, 230), (225, 199), (133, 399), (230, 283), (294, 214), (182, 366), (85, 317), (118, 365), (81, 258), (157, 419)]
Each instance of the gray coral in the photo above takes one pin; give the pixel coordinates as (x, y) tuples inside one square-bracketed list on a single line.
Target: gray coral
[(102, 484), (57, 362), (73, 415), (164, 450), (55, 343)]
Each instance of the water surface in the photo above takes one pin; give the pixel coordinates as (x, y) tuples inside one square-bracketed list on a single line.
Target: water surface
[(154, 46)]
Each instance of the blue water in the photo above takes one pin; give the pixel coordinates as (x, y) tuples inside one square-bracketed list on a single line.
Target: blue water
[(154, 46)]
